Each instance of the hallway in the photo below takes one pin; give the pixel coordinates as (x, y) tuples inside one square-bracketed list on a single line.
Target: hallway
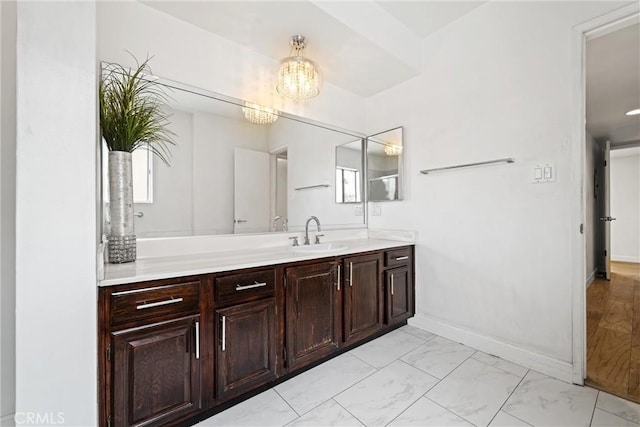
[(613, 332)]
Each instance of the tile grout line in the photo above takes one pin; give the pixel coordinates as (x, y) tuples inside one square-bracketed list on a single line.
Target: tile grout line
[(339, 392), (348, 411), (509, 397), (448, 410), (436, 384), (595, 404), (288, 404), (613, 413)]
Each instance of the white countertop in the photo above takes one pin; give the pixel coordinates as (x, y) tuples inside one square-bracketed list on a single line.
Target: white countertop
[(203, 263)]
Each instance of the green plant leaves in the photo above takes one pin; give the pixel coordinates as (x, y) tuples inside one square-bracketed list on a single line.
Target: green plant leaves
[(133, 111)]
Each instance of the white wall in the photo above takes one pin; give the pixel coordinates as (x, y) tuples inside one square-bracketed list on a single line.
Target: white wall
[(625, 205), (56, 326), (493, 255), (7, 210)]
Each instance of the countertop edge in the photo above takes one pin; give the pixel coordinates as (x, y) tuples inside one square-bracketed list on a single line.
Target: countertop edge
[(287, 257)]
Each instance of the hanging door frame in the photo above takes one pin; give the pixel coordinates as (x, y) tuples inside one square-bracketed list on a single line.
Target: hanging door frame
[(601, 25)]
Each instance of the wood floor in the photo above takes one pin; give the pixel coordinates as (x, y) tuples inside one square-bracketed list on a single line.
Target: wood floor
[(613, 332)]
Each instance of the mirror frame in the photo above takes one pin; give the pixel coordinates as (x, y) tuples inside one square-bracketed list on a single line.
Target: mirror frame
[(174, 85)]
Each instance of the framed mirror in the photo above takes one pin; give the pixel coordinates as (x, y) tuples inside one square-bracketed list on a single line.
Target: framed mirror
[(384, 165), (229, 175)]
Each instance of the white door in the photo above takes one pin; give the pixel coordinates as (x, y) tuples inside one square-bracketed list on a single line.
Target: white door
[(606, 218), (251, 191)]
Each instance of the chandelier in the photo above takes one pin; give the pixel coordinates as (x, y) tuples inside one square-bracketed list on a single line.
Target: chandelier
[(259, 114), (392, 149), (298, 77)]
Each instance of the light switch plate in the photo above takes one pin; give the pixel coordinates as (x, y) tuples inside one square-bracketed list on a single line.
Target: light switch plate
[(359, 210), (376, 210), (543, 172)]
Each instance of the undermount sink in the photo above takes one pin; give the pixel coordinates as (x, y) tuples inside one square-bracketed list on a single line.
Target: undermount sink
[(319, 248)]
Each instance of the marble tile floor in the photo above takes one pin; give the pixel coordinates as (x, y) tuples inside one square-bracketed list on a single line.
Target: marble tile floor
[(410, 377)]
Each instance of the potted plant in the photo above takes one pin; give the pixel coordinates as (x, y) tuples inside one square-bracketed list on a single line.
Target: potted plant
[(133, 115)]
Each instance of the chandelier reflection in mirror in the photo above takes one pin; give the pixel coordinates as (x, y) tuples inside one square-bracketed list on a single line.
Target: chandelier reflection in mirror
[(298, 77), (392, 149), (259, 114)]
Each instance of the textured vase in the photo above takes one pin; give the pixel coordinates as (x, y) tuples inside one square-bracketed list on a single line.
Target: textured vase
[(122, 241)]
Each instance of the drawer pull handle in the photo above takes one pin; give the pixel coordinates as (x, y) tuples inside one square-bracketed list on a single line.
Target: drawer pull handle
[(401, 258), (255, 285), (197, 340), (224, 333), (159, 303), (350, 274)]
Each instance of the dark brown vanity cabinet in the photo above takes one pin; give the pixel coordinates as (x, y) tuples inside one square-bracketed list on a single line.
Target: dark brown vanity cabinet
[(151, 354), (246, 332), (156, 373), (313, 315), (363, 298), (398, 284), (174, 351)]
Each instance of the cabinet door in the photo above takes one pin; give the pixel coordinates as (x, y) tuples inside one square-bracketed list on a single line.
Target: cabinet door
[(399, 293), (362, 297), (312, 313), (156, 373), (246, 347)]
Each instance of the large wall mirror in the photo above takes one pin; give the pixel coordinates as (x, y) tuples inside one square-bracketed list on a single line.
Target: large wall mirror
[(384, 165), (229, 175)]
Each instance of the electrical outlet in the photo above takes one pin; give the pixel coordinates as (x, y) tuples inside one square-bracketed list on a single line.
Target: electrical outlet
[(376, 210)]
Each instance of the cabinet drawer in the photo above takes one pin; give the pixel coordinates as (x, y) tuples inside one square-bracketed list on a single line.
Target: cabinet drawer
[(397, 257), (242, 286), (140, 304)]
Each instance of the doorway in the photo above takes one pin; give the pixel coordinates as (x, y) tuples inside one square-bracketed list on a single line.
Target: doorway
[(612, 217)]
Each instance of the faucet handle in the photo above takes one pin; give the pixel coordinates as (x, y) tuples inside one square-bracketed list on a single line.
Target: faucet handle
[(318, 236), (295, 240)]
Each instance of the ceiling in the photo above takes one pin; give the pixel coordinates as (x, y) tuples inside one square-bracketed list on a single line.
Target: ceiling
[(613, 84), (345, 45)]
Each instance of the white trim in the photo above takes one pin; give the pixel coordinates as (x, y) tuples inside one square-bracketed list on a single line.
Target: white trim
[(578, 245), (547, 365), (624, 258), (591, 277), (8, 421)]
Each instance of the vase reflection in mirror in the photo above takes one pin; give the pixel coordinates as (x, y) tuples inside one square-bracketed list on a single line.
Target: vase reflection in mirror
[(122, 239)]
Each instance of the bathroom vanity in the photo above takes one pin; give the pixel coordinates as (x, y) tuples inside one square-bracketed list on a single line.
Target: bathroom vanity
[(209, 332)]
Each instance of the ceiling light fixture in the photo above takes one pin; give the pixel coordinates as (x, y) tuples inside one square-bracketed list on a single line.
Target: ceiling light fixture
[(392, 149), (259, 114), (298, 77), (633, 112)]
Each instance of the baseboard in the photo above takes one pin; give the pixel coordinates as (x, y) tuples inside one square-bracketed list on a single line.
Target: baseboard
[(591, 277), (7, 421), (625, 258), (554, 368)]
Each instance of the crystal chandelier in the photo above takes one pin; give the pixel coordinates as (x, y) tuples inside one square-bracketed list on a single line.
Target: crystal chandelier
[(298, 77), (259, 114), (392, 149)]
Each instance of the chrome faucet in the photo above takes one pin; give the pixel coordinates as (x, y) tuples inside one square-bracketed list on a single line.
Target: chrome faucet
[(306, 229), (284, 223)]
